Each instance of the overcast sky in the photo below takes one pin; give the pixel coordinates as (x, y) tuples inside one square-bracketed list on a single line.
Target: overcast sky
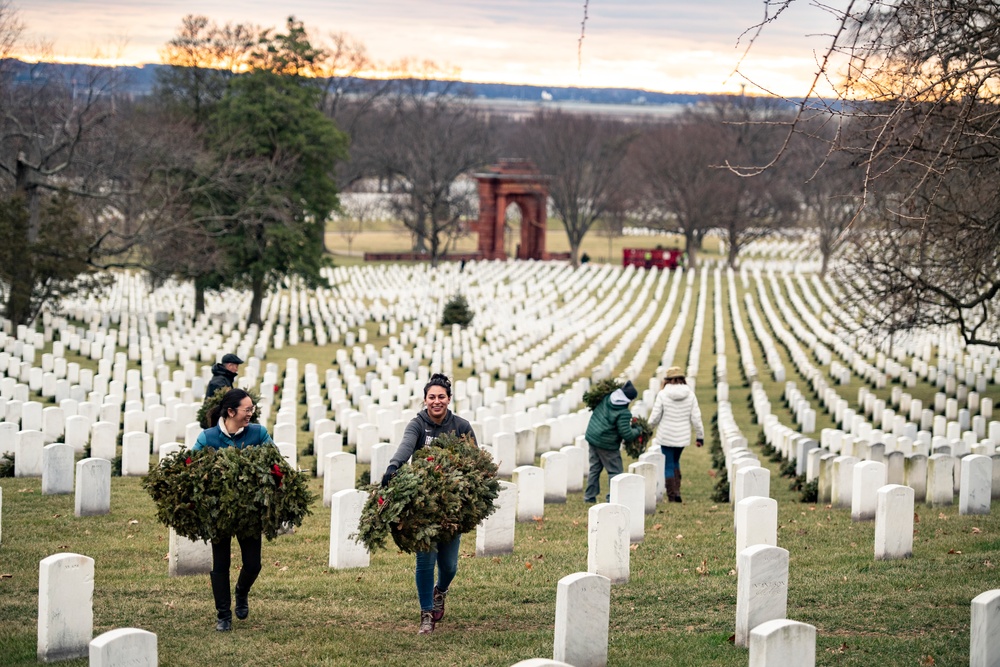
[(662, 45)]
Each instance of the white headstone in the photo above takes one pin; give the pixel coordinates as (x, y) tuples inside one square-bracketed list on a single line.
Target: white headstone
[(93, 487), (576, 467), (381, 455), (555, 465), (28, 454), (940, 480), (752, 481), (135, 454), (783, 643), (503, 447), (630, 490), (647, 471), (915, 476), (761, 588), (756, 523), (977, 482), (124, 647), (608, 541), (65, 606), (345, 516), (984, 629), (495, 534), (894, 522), (530, 481), (104, 440), (869, 477), (186, 556), (583, 609), (340, 471), (57, 469), (525, 447)]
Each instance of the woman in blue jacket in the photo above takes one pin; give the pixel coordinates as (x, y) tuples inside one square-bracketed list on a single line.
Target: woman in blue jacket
[(233, 429)]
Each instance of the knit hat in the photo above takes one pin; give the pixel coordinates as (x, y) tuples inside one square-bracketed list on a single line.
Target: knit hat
[(674, 372), (629, 390)]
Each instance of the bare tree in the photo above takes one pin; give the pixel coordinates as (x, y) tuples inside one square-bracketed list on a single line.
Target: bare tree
[(584, 156), (678, 169), (429, 141), (920, 88)]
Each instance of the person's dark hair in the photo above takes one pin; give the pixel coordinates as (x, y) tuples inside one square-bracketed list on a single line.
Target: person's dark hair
[(230, 401), (438, 380), (677, 380)]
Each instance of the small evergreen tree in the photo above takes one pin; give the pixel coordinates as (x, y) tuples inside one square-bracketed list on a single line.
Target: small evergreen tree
[(457, 311)]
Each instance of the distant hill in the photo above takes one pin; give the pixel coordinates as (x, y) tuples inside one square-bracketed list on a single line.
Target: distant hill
[(139, 80)]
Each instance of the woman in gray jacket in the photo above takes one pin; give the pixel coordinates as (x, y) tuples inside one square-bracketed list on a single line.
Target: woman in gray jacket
[(675, 413)]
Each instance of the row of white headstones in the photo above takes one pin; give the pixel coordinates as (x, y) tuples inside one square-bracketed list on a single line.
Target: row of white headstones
[(523, 475)]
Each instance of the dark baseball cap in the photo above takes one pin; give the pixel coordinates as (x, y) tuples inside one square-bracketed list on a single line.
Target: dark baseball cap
[(231, 359)]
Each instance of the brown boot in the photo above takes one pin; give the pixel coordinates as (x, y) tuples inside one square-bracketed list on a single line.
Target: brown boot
[(673, 489), (426, 623)]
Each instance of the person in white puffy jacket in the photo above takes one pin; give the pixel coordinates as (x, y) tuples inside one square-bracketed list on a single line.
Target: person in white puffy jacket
[(675, 413)]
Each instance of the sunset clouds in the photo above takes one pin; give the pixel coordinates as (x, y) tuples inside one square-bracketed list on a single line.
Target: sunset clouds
[(662, 45)]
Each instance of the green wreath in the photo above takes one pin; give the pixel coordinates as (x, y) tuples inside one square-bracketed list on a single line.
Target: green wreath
[(447, 490)]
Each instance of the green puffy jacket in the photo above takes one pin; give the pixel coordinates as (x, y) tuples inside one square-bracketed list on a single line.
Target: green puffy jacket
[(610, 425)]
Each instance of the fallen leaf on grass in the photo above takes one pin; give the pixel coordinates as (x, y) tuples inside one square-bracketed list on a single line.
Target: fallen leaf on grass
[(732, 639), (6, 576), (929, 660), (169, 605), (712, 473), (25, 490), (703, 568), (283, 569), (732, 573), (129, 537), (941, 516), (133, 522), (976, 531), (916, 518), (633, 547), (56, 516), (678, 537), (657, 526), (953, 551), (527, 565)]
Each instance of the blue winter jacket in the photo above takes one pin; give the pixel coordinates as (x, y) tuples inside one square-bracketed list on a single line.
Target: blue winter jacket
[(252, 435)]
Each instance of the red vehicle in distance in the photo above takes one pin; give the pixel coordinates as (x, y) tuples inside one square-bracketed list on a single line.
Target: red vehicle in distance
[(648, 258)]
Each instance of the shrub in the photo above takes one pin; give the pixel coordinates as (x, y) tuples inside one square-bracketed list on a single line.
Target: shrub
[(457, 311)]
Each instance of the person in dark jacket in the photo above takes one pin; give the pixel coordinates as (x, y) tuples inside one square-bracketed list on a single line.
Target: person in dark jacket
[(233, 429), (223, 374), (610, 424), (434, 420)]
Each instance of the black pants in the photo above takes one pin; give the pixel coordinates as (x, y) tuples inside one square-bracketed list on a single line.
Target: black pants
[(221, 557)]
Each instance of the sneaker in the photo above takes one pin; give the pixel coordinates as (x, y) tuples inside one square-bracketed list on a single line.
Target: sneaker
[(426, 622), (590, 501), (223, 625), (438, 612)]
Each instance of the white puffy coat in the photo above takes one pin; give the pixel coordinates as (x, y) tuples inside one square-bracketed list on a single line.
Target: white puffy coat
[(675, 413)]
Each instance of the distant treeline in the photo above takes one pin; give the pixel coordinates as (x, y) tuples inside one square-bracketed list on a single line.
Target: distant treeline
[(140, 81)]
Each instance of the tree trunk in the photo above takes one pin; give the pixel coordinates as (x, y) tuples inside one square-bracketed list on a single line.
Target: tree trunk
[(823, 265), (734, 251), (199, 298), (574, 253), (691, 246), (18, 308), (257, 298)]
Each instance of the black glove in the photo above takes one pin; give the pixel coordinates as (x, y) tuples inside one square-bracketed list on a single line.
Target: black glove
[(389, 472)]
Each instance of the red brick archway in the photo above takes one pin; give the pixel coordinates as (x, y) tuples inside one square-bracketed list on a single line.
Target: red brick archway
[(512, 182)]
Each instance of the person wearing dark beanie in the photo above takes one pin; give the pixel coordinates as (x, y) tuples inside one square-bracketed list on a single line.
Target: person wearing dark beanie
[(610, 425)]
